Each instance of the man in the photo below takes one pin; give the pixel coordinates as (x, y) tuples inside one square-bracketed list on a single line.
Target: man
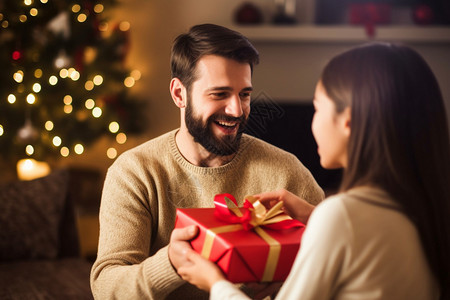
[(211, 84)]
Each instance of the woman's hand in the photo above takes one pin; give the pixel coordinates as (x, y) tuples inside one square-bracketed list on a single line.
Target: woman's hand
[(200, 272), (293, 205)]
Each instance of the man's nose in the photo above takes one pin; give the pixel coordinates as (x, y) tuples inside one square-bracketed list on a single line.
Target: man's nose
[(234, 106)]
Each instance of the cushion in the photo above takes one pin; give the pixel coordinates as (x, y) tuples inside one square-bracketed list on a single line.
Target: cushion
[(30, 217)]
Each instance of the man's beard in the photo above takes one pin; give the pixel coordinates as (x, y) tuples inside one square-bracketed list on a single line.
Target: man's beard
[(204, 135)]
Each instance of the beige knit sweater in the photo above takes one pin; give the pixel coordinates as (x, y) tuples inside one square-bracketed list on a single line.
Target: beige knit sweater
[(142, 190)]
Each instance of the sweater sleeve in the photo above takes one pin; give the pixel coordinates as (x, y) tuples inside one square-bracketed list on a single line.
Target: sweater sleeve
[(124, 269), (324, 250), (227, 291)]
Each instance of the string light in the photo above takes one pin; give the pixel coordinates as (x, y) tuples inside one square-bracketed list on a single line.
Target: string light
[(36, 87), (89, 104), (136, 74), (29, 150), (49, 125), (89, 85), (38, 73), (98, 80), (121, 138), (57, 141), (67, 99), (111, 153), (16, 55), (129, 82), (68, 109), (28, 2), (97, 112), (114, 127), (53, 80), (1, 130), (11, 98), (23, 18), (103, 27), (79, 149), (76, 8), (64, 151), (31, 98), (44, 1), (98, 8), (63, 73), (81, 18), (18, 76), (34, 12), (124, 26), (5, 24)]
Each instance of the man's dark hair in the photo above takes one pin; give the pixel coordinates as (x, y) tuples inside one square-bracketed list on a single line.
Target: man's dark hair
[(208, 39)]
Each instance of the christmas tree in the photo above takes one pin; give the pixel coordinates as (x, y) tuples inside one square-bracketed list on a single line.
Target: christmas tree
[(63, 78)]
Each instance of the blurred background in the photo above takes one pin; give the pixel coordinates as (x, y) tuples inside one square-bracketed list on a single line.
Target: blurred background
[(116, 55)]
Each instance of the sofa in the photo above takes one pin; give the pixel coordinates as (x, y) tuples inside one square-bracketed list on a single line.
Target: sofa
[(39, 243)]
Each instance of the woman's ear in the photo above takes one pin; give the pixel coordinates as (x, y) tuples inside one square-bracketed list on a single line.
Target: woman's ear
[(347, 121), (178, 92)]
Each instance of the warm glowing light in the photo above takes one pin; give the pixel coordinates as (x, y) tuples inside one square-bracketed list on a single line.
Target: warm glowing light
[(129, 82), (49, 125), (36, 87), (111, 153), (28, 2), (29, 149), (5, 24), (76, 8), (67, 99), (23, 18), (114, 127), (89, 85), (18, 76), (79, 149), (121, 138), (53, 80), (97, 112), (81, 18), (11, 98), (31, 98), (21, 88), (75, 75), (63, 73), (1, 130), (136, 74), (124, 26), (98, 80), (64, 151), (103, 26), (29, 169), (68, 109), (38, 73), (57, 141), (33, 12), (98, 8), (44, 1), (89, 104)]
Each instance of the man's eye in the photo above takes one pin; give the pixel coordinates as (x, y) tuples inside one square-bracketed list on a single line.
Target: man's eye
[(219, 95), (245, 95)]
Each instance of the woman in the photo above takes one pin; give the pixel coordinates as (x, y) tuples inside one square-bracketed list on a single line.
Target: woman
[(386, 234)]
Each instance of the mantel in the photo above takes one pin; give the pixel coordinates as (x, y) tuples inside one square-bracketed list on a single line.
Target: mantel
[(346, 34)]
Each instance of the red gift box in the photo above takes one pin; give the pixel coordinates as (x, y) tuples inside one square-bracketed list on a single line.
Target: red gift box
[(244, 250)]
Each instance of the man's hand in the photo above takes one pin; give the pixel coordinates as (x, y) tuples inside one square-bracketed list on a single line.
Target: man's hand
[(179, 245)]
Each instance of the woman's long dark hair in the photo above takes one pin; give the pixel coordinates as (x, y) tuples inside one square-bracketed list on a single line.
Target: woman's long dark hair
[(399, 138)]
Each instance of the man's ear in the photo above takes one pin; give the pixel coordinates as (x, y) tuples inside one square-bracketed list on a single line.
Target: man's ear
[(178, 92)]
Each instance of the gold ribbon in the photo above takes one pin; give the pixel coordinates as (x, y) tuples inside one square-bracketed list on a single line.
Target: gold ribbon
[(260, 216)]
